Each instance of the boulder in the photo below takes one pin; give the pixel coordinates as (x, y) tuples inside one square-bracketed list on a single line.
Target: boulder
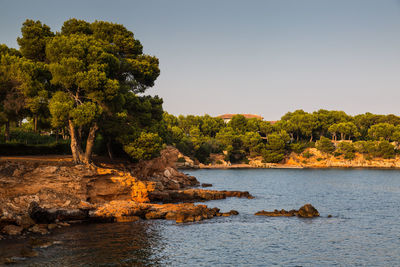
[(308, 211)]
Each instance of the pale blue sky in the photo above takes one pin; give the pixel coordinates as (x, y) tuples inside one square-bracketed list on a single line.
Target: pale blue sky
[(262, 57)]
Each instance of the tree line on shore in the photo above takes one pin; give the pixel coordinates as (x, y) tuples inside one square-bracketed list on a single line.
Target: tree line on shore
[(329, 131), (86, 85)]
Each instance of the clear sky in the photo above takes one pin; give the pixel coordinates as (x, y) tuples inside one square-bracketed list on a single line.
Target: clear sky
[(261, 57)]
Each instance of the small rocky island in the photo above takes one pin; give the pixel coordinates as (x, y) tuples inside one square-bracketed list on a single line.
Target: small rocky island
[(37, 196), (306, 211)]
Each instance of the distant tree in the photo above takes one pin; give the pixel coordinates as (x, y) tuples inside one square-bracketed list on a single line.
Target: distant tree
[(238, 123), (326, 118), (381, 131), (345, 129), (211, 126), (365, 121), (325, 145)]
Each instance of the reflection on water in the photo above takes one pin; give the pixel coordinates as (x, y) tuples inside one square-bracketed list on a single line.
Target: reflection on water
[(107, 244), (364, 228)]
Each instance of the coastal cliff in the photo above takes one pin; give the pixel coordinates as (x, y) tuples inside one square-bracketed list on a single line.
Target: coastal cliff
[(35, 194)]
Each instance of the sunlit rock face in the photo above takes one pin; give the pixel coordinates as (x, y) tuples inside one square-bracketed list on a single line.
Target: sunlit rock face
[(55, 191)]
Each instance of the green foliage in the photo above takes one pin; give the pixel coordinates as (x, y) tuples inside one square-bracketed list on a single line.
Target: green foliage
[(382, 131), (270, 156), (375, 148), (33, 40), (385, 150), (236, 152), (325, 145), (60, 107), (298, 147), (307, 154), (146, 146), (238, 123), (345, 129), (28, 137)]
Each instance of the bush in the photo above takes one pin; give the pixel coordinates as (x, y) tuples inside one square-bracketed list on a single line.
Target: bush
[(271, 156), (298, 147), (218, 162), (30, 138), (319, 159), (203, 153), (325, 145), (146, 146), (337, 154), (375, 149), (365, 147), (307, 154), (349, 155), (385, 150)]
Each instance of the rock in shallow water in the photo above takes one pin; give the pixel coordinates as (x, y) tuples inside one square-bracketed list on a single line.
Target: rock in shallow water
[(306, 211)]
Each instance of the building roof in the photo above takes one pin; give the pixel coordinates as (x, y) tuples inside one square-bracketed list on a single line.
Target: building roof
[(247, 116)]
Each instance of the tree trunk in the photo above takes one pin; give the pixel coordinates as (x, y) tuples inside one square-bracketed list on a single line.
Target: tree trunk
[(90, 143), (35, 121), (7, 131), (341, 136), (311, 138), (76, 148), (109, 149)]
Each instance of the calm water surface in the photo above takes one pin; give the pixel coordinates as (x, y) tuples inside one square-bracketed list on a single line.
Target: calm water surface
[(364, 229)]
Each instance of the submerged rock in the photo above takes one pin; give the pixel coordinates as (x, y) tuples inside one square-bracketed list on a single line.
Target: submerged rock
[(306, 211)]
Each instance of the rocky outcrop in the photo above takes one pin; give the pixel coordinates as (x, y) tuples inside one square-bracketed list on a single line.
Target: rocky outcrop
[(36, 194), (190, 195), (306, 211)]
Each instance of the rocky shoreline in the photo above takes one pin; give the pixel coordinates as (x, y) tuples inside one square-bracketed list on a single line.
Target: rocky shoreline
[(38, 196)]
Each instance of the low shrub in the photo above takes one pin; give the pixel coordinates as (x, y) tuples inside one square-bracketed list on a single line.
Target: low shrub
[(307, 154)]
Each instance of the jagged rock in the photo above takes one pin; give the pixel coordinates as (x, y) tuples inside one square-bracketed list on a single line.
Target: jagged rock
[(306, 211), (12, 230), (206, 185), (195, 195), (42, 195), (156, 214)]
